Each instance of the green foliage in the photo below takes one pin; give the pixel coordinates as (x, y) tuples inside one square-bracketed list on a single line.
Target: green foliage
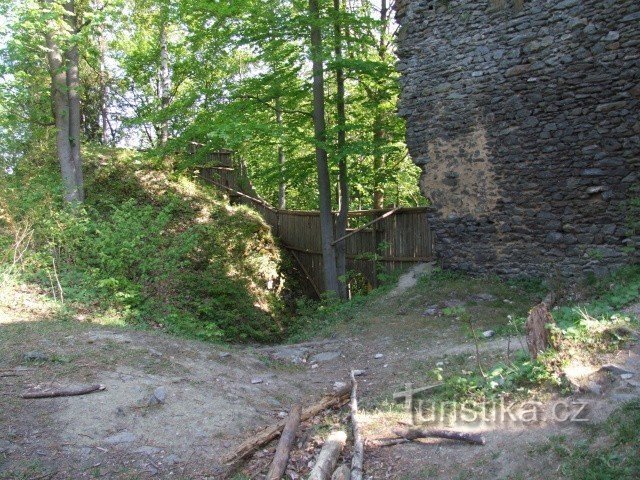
[(160, 251), (610, 452)]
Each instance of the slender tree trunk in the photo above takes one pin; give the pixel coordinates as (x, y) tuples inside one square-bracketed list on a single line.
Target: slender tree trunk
[(378, 163), (282, 186), (324, 186), (343, 202), (73, 89), (378, 129), (164, 86), (104, 114), (61, 112)]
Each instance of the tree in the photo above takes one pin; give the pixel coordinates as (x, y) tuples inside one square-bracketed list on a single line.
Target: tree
[(319, 123), (65, 83), (341, 125)]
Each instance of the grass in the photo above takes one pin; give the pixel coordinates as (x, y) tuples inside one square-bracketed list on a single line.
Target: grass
[(147, 248), (610, 450)]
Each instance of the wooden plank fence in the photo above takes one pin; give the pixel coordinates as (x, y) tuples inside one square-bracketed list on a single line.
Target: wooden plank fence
[(395, 239)]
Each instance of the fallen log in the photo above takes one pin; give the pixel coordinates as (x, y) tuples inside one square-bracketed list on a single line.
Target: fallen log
[(342, 473), (332, 400), (51, 392), (412, 434), (281, 458), (328, 457), (358, 443)]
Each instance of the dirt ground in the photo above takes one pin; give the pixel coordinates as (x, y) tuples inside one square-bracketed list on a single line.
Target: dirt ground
[(214, 397)]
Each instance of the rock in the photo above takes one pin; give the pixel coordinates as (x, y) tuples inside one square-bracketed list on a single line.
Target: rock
[(378, 356), (7, 447), (612, 36), (593, 387), (282, 414), (488, 333), (431, 311), (358, 373), (256, 381), (626, 376), (482, 297), (148, 450), (439, 364), (290, 354), (36, 356), (224, 355), (171, 459), (158, 397), (122, 437), (324, 357), (615, 369), (339, 386)]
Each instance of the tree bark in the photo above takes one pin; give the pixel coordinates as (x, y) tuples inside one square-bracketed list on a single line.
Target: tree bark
[(281, 458), (328, 457), (263, 437), (282, 186), (357, 460), (62, 392), (378, 130), (73, 90), (341, 120), (104, 114), (164, 85), (319, 123), (416, 433), (61, 112)]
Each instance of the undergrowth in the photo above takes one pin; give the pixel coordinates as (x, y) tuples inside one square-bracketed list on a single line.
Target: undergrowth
[(594, 326), (609, 452), (151, 248)]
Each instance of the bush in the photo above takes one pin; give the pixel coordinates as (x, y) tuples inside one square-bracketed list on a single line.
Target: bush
[(159, 250)]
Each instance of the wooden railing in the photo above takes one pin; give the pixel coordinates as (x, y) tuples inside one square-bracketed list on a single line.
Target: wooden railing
[(377, 241)]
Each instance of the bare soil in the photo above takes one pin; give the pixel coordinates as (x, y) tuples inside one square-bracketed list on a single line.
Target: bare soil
[(216, 396)]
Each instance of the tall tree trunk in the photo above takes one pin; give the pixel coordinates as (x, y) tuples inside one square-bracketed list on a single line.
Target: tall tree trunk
[(378, 163), (319, 123), (343, 180), (282, 186), (164, 85), (104, 114), (378, 129), (73, 88), (61, 113)]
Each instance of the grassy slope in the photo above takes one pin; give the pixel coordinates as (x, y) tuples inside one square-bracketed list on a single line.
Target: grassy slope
[(147, 248)]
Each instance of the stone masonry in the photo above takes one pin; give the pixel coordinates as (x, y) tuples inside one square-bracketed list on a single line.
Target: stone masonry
[(525, 118)]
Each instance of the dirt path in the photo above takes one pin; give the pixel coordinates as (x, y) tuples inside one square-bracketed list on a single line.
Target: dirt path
[(213, 397)]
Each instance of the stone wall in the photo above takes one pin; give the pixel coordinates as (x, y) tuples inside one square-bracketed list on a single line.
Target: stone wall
[(524, 116)]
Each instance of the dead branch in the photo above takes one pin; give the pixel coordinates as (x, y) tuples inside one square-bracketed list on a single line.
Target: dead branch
[(281, 458), (328, 457), (50, 392), (412, 434), (358, 442), (263, 437)]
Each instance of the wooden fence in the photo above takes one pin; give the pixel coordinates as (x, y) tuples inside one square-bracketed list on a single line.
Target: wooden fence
[(377, 241)]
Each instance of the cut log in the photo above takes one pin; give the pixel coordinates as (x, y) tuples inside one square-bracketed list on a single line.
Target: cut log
[(358, 443), (536, 329), (51, 392), (332, 400), (342, 473), (412, 434), (281, 458), (328, 457)]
